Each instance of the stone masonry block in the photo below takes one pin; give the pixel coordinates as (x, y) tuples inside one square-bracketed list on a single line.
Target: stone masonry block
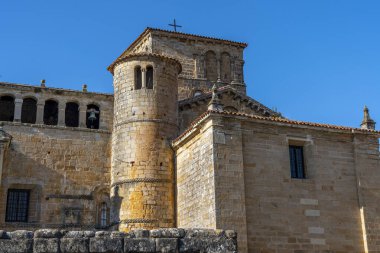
[(167, 233), (16, 246), (74, 245), (139, 245), (167, 245), (106, 245), (47, 233), (46, 245)]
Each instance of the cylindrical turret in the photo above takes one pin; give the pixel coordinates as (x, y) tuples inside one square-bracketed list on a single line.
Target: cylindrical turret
[(145, 120)]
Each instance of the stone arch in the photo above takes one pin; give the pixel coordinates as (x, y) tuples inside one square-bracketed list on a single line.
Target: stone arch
[(138, 77), (29, 110), (230, 109), (225, 67), (211, 66), (92, 116), (72, 114), (149, 77), (51, 112), (7, 108)]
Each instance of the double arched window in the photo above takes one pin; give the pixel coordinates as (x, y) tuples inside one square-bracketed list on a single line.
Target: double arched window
[(143, 77)]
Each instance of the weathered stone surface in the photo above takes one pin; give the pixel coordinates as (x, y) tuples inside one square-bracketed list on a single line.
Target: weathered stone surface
[(79, 234), (139, 245), (46, 245), (47, 233), (74, 245), (16, 246), (168, 245), (207, 245), (167, 233), (141, 233), (21, 234), (106, 244)]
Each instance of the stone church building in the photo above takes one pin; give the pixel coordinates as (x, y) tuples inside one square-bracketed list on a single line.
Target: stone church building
[(180, 144)]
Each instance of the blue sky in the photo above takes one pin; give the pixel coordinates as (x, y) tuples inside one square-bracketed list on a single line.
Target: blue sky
[(314, 60)]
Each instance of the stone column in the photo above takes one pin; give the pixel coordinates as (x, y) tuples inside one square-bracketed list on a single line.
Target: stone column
[(196, 65), (18, 108), (4, 143), (202, 67), (82, 115), (143, 77), (40, 112), (61, 113), (234, 70), (219, 80)]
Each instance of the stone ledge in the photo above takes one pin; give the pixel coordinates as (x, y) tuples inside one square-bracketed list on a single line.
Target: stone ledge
[(140, 240)]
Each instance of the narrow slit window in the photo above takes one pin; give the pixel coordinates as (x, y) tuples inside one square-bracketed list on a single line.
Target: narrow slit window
[(103, 215), (297, 168), (138, 80), (149, 77)]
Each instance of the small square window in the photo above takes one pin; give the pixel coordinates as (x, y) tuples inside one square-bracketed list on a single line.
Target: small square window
[(297, 168), (17, 205)]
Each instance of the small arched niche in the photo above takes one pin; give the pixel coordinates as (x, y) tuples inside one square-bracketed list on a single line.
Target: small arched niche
[(7, 108), (51, 112), (211, 66), (92, 116), (72, 114), (29, 110), (149, 77), (225, 67)]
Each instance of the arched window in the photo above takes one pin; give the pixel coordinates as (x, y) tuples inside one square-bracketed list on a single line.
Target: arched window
[(138, 78), (211, 66), (92, 116), (29, 110), (51, 112), (149, 77), (103, 215), (7, 108), (72, 114), (225, 67)]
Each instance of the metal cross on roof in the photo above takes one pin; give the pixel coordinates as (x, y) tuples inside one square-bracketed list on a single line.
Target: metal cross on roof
[(175, 25)]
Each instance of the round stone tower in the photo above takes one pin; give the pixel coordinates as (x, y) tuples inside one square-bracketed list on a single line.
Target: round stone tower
[(145, 120)]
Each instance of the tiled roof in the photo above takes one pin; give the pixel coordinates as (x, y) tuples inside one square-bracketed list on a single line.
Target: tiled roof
[(164, 57), (205, 115), (179, 35)]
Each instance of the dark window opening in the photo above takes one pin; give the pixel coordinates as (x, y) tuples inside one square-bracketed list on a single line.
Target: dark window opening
[(29, 111), (297, 168), (149, 77), (51, 112), (7, 108), (211, 66), (72, 115), (138, 78), (17, 205), (92, 116), (103, 215)]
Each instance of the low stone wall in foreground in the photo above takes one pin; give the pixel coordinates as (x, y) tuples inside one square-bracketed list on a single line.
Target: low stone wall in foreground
[(158, 240)]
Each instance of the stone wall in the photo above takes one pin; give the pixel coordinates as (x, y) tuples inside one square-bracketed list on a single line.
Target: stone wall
[(159, 240), (334, 209), (66, 170), (61, 96)]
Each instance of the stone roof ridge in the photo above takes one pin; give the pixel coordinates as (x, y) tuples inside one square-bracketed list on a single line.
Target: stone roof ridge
[(53, 88), (131, 55), (203, 116), (227, 88), (148, 30), (190, 35)]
